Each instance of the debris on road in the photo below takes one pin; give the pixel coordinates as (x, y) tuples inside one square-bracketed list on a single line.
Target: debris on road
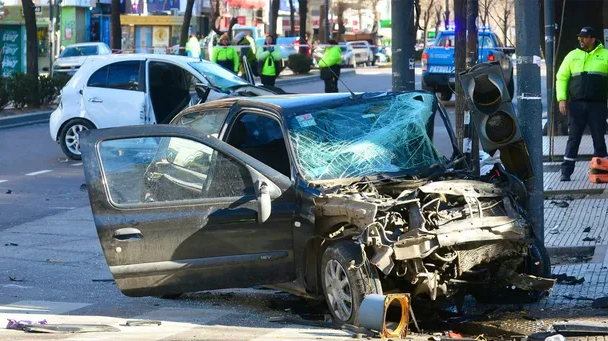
[(386, 314), (9, 192), (581, 328), (15, 279), (103, 280), (137, 323), (562, 204), (11, 244), (56, 260), (568, 280), (587, 229), (20, 325), (69, 328), (591, 239)]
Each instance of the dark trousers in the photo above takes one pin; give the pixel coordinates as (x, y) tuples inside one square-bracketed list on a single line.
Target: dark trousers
[(580, 115), (268, 80), (331, 85)]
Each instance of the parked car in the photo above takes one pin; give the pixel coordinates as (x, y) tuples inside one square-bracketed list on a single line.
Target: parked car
[(70, 60), (320, 195), (119, 90), (363, 52), (352, 54), (438, 71)]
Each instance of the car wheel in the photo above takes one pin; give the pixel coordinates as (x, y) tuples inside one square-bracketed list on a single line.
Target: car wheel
[(69, 138), (345, 284), (445, 95)]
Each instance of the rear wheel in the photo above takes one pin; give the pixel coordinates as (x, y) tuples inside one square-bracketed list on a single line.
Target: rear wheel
[(445, 95), (346, 280), (69, 137)]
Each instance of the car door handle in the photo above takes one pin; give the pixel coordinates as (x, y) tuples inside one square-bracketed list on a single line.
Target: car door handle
[(95, 100), (128, 233)]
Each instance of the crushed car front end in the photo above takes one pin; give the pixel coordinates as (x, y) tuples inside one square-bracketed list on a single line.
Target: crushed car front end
[(426, 224)]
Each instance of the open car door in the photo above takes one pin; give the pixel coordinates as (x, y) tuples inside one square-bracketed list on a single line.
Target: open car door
[(178, 212)]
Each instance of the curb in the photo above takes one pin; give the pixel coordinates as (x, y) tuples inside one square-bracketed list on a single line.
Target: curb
[(309, 78), (589, 191), (25, 119)]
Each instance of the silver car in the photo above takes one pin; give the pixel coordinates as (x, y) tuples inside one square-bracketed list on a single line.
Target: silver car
[(70, 60)]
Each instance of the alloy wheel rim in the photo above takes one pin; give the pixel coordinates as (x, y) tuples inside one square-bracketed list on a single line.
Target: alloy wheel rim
[(72, 138), (337, 287)]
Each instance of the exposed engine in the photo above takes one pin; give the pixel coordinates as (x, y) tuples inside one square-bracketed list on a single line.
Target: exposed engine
[(432, 237)]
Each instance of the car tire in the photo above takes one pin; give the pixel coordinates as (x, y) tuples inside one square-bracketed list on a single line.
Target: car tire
[(445, 95), (345, 276), (68, 137)]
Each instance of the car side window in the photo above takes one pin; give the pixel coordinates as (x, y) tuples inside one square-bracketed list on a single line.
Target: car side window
[(262, 138), (124, 75), (174, 170), (207, 121), (99, 78)]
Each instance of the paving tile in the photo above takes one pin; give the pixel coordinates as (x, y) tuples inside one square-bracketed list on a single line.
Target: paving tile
[(559, 146), (579, 180), (564, 225)]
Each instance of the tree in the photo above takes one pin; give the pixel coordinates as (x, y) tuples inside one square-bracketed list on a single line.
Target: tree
[(342, 7), (485, 6), (216, 18), (292, 18), (186, 25), (303, 22), (506, 19), (446, 19), (426, 18), (274, 16), (438, 10), (116, 35), (29, 15)]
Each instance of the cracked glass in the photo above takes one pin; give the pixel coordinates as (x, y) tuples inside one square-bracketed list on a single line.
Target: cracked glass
[(368, 137)]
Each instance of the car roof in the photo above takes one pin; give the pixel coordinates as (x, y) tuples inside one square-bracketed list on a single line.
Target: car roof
[(292, 104), (85, 44), (142, 56)]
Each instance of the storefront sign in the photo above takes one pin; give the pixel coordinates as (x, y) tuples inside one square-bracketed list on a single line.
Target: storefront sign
[(160, 39), (11, 45)]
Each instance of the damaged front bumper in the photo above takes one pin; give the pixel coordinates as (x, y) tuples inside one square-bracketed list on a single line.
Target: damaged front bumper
[(435, 238)]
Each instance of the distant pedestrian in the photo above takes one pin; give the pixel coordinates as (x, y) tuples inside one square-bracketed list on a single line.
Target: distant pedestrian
[(582, 92), (193, 48), (245, 49), (330, 66), (225, 55), (269, 61)]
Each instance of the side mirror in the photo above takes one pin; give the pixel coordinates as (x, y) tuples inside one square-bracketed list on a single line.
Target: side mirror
[(202, 91), (264, 204)]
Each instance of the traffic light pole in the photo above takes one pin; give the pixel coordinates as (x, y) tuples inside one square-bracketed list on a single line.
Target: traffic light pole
[(403, 46), (529, 105), (472, 59)]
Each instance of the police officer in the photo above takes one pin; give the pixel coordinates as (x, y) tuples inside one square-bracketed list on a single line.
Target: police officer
[(330, 66), (582, 91)]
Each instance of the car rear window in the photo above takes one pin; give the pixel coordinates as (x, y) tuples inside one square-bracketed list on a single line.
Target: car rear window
[(78, 51)]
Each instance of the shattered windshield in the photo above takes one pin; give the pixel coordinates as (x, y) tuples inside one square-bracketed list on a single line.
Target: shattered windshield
[(375, 136), (218, 76)]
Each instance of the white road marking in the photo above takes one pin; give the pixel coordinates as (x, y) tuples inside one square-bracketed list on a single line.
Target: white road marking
[(77, 164), (39, 172), (1, 181), (40, 307)]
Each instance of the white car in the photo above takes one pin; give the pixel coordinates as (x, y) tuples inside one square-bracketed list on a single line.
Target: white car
[(120, 90), (70, 60)]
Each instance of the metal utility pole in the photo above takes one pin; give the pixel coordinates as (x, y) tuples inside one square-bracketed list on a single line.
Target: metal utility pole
[(460, 51), (404, 42), (549, 65), (471, 137), (529, 105), (51, 36), (327, 31)]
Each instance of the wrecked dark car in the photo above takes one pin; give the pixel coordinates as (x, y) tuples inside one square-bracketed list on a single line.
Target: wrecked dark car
[(330, 196)]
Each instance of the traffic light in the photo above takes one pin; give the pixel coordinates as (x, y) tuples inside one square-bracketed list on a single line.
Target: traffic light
[(494, 117)]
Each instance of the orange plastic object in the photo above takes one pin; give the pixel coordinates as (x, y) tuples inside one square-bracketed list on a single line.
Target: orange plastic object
[(599, 163)]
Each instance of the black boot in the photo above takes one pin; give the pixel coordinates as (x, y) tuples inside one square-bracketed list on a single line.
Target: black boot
[(565, 177)]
